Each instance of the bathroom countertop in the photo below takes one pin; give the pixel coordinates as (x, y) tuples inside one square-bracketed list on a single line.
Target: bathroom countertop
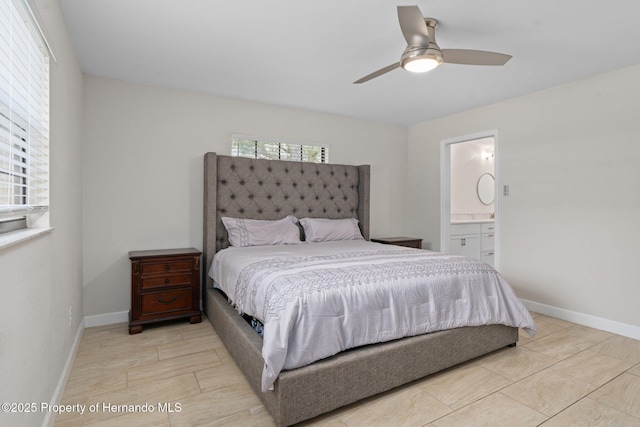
[(471, 221)]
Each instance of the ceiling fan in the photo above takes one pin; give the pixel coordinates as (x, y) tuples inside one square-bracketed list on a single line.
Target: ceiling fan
[(423, 53)]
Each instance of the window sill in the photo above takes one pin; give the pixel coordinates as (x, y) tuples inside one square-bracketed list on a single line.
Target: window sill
[(15, 237)]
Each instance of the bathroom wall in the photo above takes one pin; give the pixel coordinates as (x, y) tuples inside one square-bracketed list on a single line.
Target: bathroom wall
[(468, 164)]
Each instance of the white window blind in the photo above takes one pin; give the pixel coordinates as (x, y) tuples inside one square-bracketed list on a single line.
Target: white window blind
[(243, 146), (24, 113)]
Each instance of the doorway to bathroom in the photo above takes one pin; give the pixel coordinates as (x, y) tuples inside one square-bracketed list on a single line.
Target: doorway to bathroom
[(469, 209)]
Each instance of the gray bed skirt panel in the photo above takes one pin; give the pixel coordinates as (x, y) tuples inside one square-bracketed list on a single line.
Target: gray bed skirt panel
[(347, 377)]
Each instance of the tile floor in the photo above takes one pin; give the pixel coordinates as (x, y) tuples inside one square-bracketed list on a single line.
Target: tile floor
[(568, 375)]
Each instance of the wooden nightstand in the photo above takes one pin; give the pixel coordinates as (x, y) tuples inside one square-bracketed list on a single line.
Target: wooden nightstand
[(410, 242), (165, 284)]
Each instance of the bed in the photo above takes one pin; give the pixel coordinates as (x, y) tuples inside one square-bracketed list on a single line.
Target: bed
[(271, 190)]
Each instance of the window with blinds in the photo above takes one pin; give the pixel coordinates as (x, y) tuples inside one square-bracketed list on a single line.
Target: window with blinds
[(24, 113), (275, 150)]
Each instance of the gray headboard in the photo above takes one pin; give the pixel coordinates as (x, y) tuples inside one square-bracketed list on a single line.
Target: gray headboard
[(272, 189)]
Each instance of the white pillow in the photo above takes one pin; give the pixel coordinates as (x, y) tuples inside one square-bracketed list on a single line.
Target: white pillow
[(326, 230), (255, 232)]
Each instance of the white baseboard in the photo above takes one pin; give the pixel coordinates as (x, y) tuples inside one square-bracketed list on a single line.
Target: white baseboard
[(106, 319), (50, 417), (618, 328)]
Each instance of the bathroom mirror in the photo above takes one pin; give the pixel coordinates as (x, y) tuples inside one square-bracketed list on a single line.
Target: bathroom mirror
[(486, 185)]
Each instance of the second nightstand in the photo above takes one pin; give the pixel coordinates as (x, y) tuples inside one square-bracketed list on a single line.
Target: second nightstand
[(410, 242), (165, 284)]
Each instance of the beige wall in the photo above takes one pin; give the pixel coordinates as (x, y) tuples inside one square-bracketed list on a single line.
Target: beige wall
[(41, 278), (568, 154), (569, 229), (143, 170)]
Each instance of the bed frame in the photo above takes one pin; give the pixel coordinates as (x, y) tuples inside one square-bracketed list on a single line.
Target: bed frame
[(272, 189)]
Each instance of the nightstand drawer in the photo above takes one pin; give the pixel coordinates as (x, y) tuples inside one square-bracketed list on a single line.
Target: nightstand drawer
[(166, 280), (165, 302), (166, 266)]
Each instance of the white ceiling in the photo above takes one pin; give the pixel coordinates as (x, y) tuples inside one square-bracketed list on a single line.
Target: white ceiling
[(306, 55)]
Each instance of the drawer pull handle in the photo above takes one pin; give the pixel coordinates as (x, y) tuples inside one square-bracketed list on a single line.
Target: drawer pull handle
[(167, 280), (169, 301), (167, 267)]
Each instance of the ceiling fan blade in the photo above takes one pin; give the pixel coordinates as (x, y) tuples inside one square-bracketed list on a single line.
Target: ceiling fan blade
[(378, 73), (413, 26), (474, 57)]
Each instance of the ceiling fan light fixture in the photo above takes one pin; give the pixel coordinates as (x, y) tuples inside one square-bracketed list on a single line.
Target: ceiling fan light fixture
[(421, 64), (421, 60)]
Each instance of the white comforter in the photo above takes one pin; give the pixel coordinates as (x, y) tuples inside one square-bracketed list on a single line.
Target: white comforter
[(318, 299)]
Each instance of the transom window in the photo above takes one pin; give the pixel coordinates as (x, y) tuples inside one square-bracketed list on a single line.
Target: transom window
[(242, 146)]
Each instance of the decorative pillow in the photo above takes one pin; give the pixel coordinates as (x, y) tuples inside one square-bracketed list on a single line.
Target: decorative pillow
[(255, 232), (326, 230)]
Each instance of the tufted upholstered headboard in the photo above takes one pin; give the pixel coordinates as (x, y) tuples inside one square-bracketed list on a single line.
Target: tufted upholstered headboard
[(272, 189)]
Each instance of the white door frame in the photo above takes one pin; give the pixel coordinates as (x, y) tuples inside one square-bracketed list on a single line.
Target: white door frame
[(445, 189)]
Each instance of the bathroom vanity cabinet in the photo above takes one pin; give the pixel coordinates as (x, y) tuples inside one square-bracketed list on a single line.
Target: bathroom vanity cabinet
[(473, 240)]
